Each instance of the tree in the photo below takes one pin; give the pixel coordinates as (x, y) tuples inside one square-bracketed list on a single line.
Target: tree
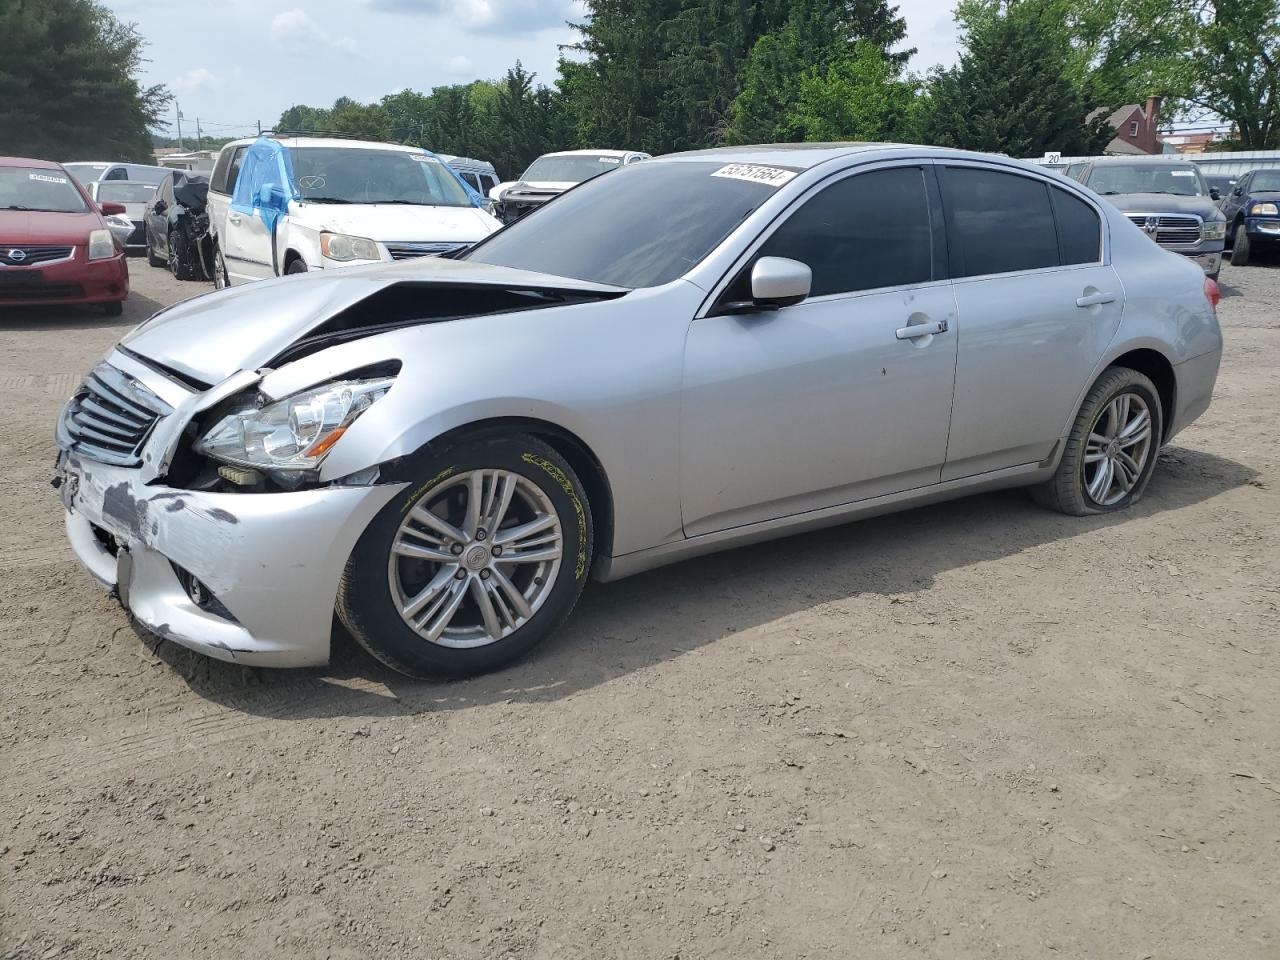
[(1234, 68), (69, 71), (1012, 92), (861, 97)]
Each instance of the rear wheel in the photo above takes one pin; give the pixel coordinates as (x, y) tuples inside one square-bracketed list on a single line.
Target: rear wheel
[(1240, 248), (181, 255), (1112, 449), (474, 564)]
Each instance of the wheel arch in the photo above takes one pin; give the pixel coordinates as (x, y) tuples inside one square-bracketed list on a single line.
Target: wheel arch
[(1157, 368), (586, 464), (290, 255)]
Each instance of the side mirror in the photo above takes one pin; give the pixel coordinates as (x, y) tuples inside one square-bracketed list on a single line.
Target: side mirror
[(779, 282), (1237, 191), (1213, 194), (111, 207)]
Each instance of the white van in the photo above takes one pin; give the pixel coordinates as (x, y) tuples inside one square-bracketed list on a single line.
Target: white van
[(87, 171), (287, 205)]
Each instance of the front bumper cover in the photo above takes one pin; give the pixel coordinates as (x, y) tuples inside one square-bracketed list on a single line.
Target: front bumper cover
[(272, 560)]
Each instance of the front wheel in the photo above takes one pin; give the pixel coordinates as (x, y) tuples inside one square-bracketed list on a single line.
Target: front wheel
[(220, 278), (1240, 248), (1112, 449), (481, 558)]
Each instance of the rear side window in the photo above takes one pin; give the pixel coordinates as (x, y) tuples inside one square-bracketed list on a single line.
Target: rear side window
[(866, 231), (117, 173), (234, 173), (1079, 229), (997, 222)]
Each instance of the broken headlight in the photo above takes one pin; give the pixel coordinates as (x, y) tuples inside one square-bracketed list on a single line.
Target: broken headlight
[(291, 436)]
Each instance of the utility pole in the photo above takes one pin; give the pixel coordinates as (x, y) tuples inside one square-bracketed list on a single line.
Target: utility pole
[(178, 110), (199, 136), (259, 128)]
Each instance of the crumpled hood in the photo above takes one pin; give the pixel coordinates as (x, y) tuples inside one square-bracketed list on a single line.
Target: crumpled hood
[(242, 328), (536, 189), (1165, 203), (404, 223)]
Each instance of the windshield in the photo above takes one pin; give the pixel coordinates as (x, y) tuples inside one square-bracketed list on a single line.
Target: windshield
[(647, 226), (1181, 181), (39, 188), (1265, 180), (355, 175), (569, 168), (125, 191)]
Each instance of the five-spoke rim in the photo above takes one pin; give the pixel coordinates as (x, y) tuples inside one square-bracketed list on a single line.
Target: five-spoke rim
[(475, 558), (1116, 453)]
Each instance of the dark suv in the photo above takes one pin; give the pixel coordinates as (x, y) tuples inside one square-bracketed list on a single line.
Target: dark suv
[(1252, 209), (1169, 199)]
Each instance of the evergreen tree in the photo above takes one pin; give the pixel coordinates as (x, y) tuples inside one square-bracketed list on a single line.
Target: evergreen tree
[(1011, 92), (68, 72)]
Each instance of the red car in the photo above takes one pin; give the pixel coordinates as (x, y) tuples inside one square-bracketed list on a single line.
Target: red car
[(54, 243)]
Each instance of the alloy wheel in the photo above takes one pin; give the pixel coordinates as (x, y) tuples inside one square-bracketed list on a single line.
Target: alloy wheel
[(1117, 450), (475, 558)]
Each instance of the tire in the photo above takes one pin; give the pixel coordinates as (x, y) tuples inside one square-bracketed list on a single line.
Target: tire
[(378, 584), (113, 308), (152, 259), (296, 265), (180, 255), (1240, 248), (1070, 491), (221, 280)]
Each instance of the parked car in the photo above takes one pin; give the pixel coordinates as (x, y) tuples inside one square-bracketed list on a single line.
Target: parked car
[(1252, 210), (1222, 183), (55, 246), (554, 173), (1166, 198), (177, 227), (287, 205), (87, 171), (480, 175), (133, 195), (696, 352)]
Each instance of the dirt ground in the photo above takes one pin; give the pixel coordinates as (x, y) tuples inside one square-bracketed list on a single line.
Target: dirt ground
[(977, 730)]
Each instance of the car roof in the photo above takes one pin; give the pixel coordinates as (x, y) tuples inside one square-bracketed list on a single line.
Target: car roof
[(592, 153), (804, 156), (29, 162)]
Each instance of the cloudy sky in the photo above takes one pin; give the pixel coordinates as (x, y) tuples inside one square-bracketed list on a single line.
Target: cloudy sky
[(248, 60)]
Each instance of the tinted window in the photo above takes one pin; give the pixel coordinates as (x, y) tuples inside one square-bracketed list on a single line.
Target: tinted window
[(646, 225), (867, 231), (997, 222), (117, 173), (218, 182), (234, 174), (1079, 229)]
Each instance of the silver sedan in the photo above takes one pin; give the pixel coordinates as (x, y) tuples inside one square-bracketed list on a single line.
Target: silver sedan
[(696, 352)]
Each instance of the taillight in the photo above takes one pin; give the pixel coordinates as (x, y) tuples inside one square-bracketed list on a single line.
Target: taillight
[(1211, 292)]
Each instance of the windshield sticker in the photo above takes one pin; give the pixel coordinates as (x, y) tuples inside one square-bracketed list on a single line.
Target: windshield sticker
[(45, 178), (756, 173), (423, 158), (609, 160), (1183, 173)]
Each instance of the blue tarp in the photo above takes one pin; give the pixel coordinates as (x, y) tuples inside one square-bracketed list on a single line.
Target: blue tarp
[(265, 184)]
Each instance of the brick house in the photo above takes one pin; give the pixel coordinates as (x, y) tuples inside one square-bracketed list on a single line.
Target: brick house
[(1135, 128)]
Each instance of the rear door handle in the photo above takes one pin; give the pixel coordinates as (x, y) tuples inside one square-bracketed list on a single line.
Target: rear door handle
[(917, 330), (1093, 299)]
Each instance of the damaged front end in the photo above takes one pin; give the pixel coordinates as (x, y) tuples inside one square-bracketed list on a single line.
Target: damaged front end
[(204, 474)]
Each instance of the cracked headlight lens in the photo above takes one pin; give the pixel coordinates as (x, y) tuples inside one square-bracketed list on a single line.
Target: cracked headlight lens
[(294, 434)]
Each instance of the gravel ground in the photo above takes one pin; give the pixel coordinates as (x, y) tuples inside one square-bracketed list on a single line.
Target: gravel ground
[(975, 730)]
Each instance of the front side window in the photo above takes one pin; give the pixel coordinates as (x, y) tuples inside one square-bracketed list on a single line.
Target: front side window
[(39, 188), (866, 231), (644, 226), (356, 175), (1180, 180), (997, 222)]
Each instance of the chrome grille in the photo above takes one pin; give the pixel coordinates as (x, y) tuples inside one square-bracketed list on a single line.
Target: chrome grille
[(1171, 230), (26, 255), (111, 416), (407, 250)]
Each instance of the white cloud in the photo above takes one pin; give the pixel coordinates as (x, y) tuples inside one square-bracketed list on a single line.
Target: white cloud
[(199, 80), (296, 31), (489, 16), (461, 65)]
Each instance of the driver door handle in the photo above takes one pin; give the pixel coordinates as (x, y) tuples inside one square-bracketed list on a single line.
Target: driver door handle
[(1093, 299), (917, 330)]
